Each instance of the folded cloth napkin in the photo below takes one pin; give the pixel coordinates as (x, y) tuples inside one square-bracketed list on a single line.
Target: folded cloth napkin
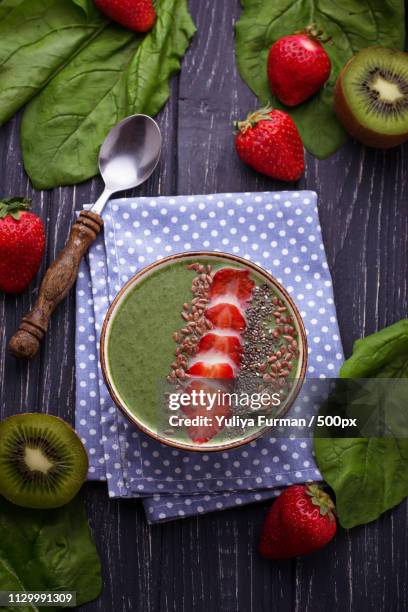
[(278, 231)]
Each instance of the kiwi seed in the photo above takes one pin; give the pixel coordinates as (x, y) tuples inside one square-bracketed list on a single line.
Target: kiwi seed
[(43, 463), (371, 97)]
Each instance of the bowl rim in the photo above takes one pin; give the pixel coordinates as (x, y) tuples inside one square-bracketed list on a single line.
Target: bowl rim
[(133, 281)]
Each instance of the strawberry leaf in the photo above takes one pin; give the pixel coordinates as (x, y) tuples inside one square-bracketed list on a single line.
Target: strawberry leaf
[(320, 499), (351, 25), (14, 207)]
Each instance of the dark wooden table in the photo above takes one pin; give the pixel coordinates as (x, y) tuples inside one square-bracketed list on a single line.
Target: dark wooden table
[(210, 562)]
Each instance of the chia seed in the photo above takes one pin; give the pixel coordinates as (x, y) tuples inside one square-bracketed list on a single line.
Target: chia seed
[(269, 345)]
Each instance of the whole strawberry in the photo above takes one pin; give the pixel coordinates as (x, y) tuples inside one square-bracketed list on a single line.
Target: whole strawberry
[(300, 521), (137, 15), (298, 66), (22, 242), (269, 142)]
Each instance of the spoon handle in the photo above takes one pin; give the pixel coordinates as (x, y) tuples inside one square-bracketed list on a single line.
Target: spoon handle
[(57, 282)]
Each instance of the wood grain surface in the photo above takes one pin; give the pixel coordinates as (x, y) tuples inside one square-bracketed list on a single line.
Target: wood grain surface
[(210, 562)]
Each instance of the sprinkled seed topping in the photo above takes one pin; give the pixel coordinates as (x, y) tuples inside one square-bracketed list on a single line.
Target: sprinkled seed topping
[(270, 347), (197, 324)]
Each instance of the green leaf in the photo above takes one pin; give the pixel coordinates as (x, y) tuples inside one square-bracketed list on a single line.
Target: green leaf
[(49, 550), (36, 39), (159, 57), (63, 127), (86, 5), (8, 5), (9, 581), (352, 24), (14, 207), (370, 475), (117, 74), (381, 355)]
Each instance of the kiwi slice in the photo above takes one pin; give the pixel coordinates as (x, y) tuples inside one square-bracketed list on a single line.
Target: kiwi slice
[(371, 97), (43, 463)]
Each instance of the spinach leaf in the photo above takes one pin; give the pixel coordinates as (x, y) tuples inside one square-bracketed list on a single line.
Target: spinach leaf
[(48, 550), (10, 582), (381, 355), (36, 39), (352, 24), (158, 58), (88, 6), (8, 5), (370, 475), (83, 4), (64, 126), (117, 74)]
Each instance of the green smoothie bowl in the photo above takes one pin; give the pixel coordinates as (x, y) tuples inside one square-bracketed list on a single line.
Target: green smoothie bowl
[(203, 351)]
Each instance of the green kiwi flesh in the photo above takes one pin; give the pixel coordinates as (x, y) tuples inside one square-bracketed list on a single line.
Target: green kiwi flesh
[(371, 97), (43, 463)]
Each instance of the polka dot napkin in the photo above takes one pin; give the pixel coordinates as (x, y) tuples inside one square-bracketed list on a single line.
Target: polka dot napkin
[(278, 231)]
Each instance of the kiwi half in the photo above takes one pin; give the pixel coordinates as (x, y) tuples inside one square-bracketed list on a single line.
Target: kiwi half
[(43, 463), (371, 97)]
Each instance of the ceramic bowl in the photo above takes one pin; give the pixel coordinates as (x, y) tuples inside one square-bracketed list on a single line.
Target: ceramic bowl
[(131, 412)]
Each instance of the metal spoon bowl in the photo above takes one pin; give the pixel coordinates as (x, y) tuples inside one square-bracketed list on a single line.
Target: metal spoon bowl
[(128, 156)]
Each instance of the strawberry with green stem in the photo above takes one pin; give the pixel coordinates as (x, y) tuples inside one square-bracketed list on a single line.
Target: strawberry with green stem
[(268, 141), (22, 243), (301, 521)]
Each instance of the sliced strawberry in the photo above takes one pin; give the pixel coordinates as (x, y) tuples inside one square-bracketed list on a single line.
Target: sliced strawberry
[(226, 316), (201, 369), (229, 345), (230, 281), (200, 434)]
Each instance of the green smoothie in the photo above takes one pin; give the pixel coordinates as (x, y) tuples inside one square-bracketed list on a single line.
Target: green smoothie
[(139, 343)]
